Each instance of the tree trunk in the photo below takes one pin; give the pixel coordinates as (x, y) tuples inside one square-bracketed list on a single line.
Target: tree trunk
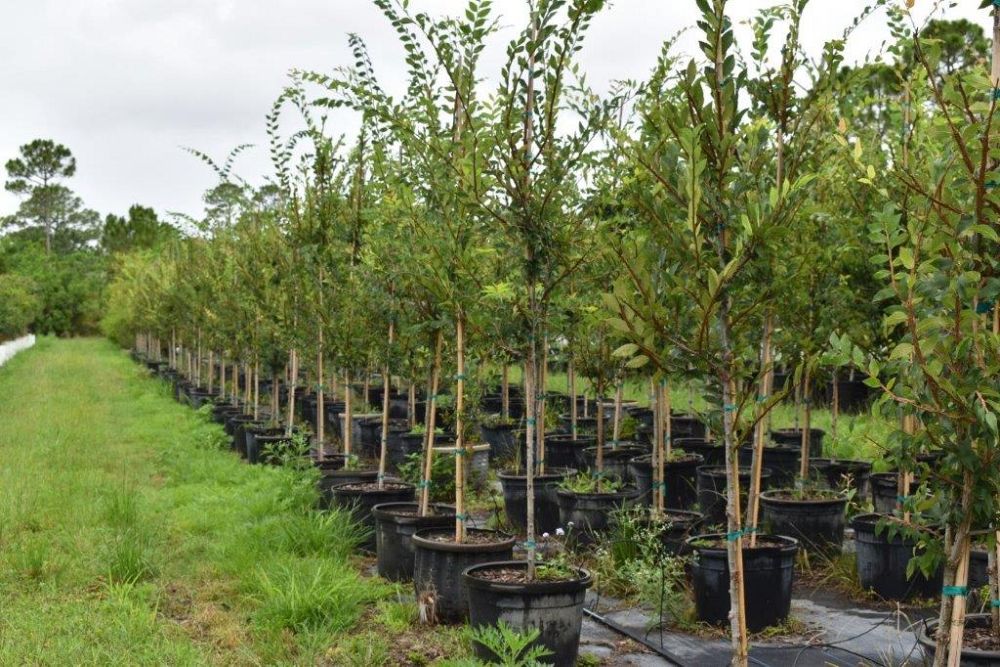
[(425, 483), (530, 406), (617, 426), (505, 392), (541, 386), (806, 421), (760, 431), (348, 417), (571, 373), (293, 380)]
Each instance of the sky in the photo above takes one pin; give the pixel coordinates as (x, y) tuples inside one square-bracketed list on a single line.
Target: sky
[(126, 84)]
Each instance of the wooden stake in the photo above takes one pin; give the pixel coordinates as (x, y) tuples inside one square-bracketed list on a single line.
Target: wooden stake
[(461, 452), (957, 630), (655, 400), (505, 392), (293, 380), (806, 422), (386, 386), (348, 417), (760, 432), (617, 425), (425, 491), (666, 444), (543, 373)]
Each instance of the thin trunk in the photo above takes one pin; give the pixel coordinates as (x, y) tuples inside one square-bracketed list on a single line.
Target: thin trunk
[(256, 389), (617, 426), (384, 450), (655, 403), (571, 372), (425, 483), (600, 440), (529, 450), (665, 445), (293, 381), (734, 540), (211, 371), (461, 453), (543, 376), (835, 408), (806, 421), (320, 393), (411, 409), (760, 432), (222, 376), (274, 408), (505, 392), (348, 417)]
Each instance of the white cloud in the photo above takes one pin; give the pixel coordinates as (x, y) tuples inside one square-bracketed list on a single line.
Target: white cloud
[(125, 83)]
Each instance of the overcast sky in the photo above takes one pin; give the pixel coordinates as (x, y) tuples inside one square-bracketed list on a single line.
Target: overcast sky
[(125, 83)]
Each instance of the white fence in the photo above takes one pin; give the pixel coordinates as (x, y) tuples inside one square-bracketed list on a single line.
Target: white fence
[(12, 347)]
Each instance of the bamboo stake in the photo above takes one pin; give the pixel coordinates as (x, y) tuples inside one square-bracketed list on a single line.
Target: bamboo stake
[(222, 376), (211, 371), (425, 483), (835, 408), (461, 453), (957, 630), (738, 624), (386, 382), (600, 441)]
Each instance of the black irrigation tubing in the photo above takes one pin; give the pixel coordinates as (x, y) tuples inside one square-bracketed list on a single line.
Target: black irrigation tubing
[(659, 650)]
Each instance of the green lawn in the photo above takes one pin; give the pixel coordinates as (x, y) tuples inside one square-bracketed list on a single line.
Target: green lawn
[(129, 535)]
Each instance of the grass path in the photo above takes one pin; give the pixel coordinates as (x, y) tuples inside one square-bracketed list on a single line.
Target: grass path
[(129, 536)]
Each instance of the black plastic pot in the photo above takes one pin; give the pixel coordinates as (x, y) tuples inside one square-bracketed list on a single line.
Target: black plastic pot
[(711, 451), (271, 448), (680, 475), (563, 451), (590, 513), (678, 526), (395, 524), (502, 441), (615, 460), (782, 460), (712, 490), (360, 498), (979, 575), (837, 472), (332, 473), (768, 571), (554, 608), (853, 396), (818, 524), (793, 437), (885, 491), (882, 563), (515, 499), (441, 592), (970, 657), (235, 428), (584, 425), (254, 442), (642, 416), (686, 426), (400, 448)]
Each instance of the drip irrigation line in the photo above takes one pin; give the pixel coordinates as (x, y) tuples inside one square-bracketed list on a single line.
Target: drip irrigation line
[(659, 650)]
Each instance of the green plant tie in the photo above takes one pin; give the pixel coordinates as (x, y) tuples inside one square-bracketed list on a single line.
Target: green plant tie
[(733, 536), (424, 484), (955, 591), (531, 421), (984, 307), (902, 499), (761, 398), (995, 603), (530, 544), (463, 517), (992, 184), (661, 485), (460, 376), (996, 94), (728, 408), (541, 397), (600, 474), (460, 451)]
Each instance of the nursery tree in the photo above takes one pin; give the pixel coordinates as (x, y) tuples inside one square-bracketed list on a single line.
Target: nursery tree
[(939, 268)]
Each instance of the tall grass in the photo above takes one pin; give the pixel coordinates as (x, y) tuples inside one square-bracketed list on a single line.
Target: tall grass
[(128, 535)]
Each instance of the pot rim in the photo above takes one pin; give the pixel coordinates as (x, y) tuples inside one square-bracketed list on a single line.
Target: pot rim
[(688, 459), (584, 582), (339, 488), (420, 538), (924, 638), (790, 544), (383, 511), (627, 493), (840, 499), (549, 476), (830, 461), (764, 471)]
